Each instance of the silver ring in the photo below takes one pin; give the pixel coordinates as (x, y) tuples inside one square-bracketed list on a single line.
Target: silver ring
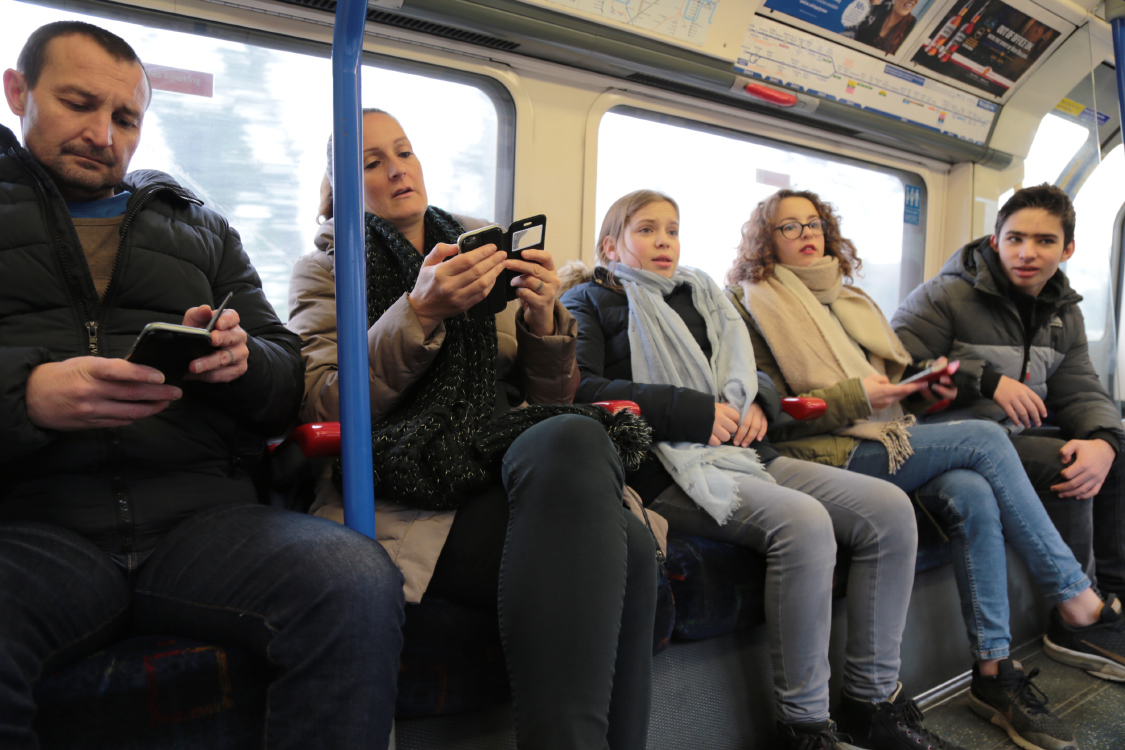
[(541, 282)]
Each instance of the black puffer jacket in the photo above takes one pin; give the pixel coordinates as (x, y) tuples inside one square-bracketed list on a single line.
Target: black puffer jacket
[(605, 363), (968, 312), (123, 487)]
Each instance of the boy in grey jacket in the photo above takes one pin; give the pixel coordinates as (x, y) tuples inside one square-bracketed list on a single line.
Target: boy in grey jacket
[(1002, 306)]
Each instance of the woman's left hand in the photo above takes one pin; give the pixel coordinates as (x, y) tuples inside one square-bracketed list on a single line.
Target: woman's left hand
[(536, 287), (754, 426)]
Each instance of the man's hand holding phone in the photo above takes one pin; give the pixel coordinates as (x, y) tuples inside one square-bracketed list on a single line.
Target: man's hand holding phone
[(84, 393), (445, 289), (231, 356)]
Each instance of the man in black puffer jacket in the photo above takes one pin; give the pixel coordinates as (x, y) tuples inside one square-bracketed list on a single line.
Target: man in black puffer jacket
[(1005, 310), (127, 505)]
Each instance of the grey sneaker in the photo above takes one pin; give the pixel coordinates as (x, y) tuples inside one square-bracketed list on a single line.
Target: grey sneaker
[(1097, 648), (1012, 702)]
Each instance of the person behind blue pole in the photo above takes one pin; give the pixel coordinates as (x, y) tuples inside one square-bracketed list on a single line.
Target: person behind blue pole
[(480, 499), (127, 505), (818, 334)]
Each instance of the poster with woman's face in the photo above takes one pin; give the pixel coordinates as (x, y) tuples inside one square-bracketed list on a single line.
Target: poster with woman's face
[(880, 24), (987, 44)]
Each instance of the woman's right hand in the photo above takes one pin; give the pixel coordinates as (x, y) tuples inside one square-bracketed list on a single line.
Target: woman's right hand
[(726, 424), (882, 393), (445, 289)]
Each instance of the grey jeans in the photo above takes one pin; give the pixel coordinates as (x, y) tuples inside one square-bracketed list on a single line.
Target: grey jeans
[(797, 524)]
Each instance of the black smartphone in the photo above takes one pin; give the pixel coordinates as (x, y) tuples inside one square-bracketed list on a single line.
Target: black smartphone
[(170, 348), (471, 240), (525, 234)]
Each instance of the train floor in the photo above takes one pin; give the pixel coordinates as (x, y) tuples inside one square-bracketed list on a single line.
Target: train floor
[(1094, 709)]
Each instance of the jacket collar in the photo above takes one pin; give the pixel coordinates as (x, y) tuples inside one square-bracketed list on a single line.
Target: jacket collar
[(134, 182)]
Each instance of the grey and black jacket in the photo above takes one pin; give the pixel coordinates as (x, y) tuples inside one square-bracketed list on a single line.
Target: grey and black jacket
[(968, 312), (123, 487)]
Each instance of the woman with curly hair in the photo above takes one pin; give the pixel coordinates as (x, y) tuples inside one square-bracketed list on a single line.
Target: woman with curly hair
[(817, 334)]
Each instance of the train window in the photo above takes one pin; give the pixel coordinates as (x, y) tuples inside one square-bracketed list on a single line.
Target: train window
[(249, 133), (1096, 207), (717, 176)]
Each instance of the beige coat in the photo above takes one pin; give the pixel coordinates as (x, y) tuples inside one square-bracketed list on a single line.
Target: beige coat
[(399, 355)]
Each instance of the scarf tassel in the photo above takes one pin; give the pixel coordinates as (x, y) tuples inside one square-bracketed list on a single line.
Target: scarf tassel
[(895, 437)]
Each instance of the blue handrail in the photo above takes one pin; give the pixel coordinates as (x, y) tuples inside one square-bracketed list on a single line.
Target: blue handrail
[(1115, 12), (351, 289)]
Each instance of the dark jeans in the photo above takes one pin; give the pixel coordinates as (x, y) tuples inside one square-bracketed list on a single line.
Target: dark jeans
[(577, 587), (319, 602), (1094, 529)]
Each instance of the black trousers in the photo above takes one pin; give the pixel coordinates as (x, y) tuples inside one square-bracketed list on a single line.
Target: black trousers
[(1094, 529), (573, 577)]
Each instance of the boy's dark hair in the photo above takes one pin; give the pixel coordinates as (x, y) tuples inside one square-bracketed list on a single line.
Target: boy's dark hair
[(34, 52), (1051, 199)]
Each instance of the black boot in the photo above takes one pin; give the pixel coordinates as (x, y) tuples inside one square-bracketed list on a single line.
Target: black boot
[(891, 725), (817, 735)]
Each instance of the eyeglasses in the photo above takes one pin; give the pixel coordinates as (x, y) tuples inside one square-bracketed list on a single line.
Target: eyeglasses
[(793, 229)]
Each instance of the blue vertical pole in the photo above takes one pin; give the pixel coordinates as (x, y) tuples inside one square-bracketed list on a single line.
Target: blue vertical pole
[(351, 290), (1115, 12)]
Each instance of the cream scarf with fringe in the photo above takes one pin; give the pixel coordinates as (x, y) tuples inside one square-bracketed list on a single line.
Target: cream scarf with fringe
[(821, 332)]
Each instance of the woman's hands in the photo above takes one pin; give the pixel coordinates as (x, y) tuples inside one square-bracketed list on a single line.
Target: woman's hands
[(882, 393), (448, 288), (536, 287), (753, 426)]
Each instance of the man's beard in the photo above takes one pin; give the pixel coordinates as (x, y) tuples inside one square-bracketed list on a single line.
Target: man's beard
[(73, 179)]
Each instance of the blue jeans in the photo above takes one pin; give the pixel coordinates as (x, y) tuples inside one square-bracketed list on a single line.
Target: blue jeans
[(319, 602), (968, 475)]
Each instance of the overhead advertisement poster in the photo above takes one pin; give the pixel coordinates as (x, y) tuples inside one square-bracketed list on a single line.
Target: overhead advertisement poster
[(777, 53), (881, 24), (987, 44)]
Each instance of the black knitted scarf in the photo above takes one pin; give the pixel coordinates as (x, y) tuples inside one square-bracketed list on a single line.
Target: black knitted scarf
[(441, 446)]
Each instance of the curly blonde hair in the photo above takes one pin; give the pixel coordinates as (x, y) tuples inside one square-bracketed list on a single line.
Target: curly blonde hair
[(757, 253)]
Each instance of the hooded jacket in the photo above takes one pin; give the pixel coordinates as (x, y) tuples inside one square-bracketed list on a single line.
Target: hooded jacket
[(968, 312), (123, 487)]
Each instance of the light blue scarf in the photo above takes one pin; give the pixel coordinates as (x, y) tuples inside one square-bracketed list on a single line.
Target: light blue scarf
[(665, 352)]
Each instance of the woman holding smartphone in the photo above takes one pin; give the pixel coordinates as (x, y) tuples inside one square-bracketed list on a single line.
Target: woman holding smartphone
[(479, 502), (817, 334)]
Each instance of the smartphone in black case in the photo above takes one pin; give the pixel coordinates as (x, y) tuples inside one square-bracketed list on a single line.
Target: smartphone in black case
[(525, 234), (170, 348)]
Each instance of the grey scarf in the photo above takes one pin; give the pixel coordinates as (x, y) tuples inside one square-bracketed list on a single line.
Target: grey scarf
[(665, 352)]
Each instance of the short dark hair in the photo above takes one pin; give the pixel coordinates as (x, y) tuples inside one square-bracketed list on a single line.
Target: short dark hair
[(1051, 199), (34, 52)]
